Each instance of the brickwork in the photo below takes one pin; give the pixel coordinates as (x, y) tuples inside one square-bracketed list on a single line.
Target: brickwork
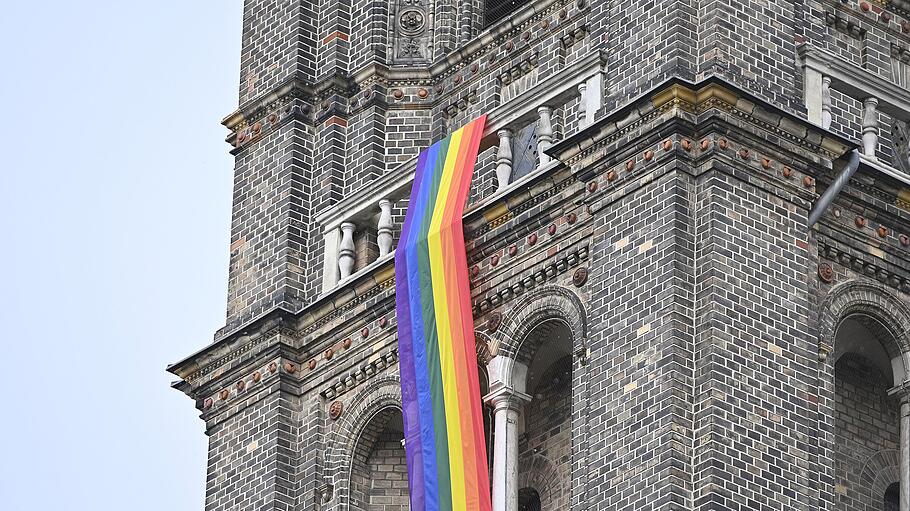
[(699, 363), (278, 44), (269, 232)]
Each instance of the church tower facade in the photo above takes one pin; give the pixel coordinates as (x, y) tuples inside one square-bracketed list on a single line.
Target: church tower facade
[(688, 240)]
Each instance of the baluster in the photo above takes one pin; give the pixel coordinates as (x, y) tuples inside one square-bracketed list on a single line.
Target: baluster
[(544, 133), (384, 228), (504, 158), (826, 102), (582, 105), (346, 251), (870, 127), (331, 241), (817, 97)]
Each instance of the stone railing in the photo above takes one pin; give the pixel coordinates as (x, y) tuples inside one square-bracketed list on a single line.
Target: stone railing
[(825, 72), (373, 207)]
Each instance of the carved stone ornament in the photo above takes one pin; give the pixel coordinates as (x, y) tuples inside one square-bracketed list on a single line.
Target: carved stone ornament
[(494, 321), (412, 38), (410, 49), (826, 272), (335, 410), (411, 21), (580, 277)]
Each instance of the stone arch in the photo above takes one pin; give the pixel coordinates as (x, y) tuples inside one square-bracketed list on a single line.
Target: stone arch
[(879, 471), (542, 475), (381, 395), (545, 303), (867, 298)]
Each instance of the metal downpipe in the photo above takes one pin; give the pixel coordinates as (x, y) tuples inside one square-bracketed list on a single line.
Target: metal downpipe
[(821, 205)]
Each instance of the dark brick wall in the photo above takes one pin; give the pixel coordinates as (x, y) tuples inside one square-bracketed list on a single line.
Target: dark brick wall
[(641, 347), (251, 449), (269, 231), (279, 43), (751, 409)]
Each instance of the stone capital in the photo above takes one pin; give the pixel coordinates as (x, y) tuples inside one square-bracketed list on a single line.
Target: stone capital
[(507, 398), (902, 392)]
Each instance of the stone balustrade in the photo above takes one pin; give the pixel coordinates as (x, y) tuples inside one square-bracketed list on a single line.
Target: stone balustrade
[(373, 208), (825, 72)]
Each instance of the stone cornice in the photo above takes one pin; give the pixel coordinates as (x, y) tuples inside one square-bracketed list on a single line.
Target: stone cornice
[(373, 367), (536, 276), (697, 98), (292, 88)]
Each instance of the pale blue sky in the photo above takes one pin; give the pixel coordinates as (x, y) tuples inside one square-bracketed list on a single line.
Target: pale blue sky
[(115, 219)]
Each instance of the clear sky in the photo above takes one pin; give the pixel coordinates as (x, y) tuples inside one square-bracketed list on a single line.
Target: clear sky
[(115, 218)]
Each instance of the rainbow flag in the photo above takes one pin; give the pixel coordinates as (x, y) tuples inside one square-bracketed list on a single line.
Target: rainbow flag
[(440, 393)]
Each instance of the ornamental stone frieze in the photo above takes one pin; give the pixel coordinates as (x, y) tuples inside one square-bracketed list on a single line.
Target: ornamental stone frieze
[(412, 35)]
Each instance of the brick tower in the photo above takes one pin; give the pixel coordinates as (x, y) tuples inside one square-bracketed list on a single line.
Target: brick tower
[(659, 325)]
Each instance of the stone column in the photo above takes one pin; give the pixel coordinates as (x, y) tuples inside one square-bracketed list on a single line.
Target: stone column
[(504, 159), (544, 133), (817, 96), (384, 227), (507, 404), (346, 250), (826, 102), (905, 452), (870, 127), (582, 105)]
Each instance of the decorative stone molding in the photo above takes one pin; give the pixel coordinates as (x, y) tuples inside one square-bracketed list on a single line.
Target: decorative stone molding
[(365, 372), (411, 43), (573, 36), (460, 104), (880, 470), (518, 70), (541, 474), (712, 93), (381, 395), (846, 26), (548, 302), (862, 296), (528, 280), (243, 385), (859, 265)]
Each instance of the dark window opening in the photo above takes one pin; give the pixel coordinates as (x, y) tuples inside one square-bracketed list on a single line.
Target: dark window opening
[(524, 152), (893, 497), (528, 500), (495, 10)]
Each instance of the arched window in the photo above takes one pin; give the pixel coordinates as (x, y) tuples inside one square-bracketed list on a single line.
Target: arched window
[(495, 10), (866, 419), (893, 497), (379, 472), (528, 500)]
